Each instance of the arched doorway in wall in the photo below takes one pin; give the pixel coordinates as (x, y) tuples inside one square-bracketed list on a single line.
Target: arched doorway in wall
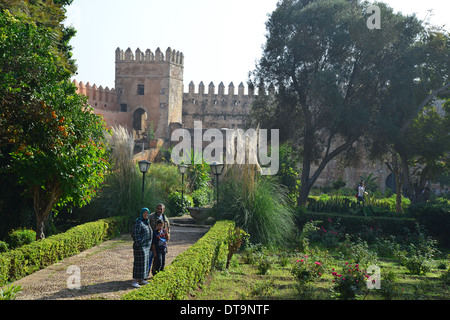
[(390, 182), (140, 124)]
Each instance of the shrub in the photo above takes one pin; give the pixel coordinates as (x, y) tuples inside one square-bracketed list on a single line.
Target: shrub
[(251, 252), (20, 237), (446, 277), (3, 246), (235, 239), (418, 257), (202, 197), (188, 269), (415, 259), (307, 270), (177, 203), (259, 205), (264, 265), (357, 252), (351, 283), (390, 287)]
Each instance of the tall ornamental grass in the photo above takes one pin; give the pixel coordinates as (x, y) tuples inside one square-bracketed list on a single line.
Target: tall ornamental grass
[(257, 204)]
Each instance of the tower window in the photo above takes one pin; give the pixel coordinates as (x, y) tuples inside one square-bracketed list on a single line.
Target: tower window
[(140, 90), (123, 107)]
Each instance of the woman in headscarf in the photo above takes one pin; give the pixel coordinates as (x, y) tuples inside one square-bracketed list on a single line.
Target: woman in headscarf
[(142, 240)]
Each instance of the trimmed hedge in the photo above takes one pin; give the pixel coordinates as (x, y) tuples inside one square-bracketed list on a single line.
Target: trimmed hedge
[(188, 269), (27, 259), (355, 224)]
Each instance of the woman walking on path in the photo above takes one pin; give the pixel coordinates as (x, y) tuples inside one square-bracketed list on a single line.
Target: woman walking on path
[(142, 240)]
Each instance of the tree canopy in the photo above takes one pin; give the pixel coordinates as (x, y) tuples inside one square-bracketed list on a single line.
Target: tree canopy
[(49, 136), (331, 74)]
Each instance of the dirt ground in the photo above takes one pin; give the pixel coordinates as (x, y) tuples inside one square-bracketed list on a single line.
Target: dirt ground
[(105, 270)]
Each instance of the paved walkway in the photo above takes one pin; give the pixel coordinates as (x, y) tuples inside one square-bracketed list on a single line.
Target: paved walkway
[(106, 269)]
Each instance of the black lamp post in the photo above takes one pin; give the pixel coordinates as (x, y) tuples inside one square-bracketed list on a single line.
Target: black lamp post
[(144, 165), (182, 168), (217, 169)]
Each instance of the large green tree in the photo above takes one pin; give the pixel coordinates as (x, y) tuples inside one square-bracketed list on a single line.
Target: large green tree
[(49, 136), (330, 72), (410, 130)]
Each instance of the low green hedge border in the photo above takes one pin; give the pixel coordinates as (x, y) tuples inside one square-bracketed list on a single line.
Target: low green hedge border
[(188, 269), (355, 224), (20, 262)]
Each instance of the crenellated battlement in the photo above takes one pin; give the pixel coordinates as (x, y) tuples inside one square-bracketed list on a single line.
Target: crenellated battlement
[(98, 97), (172, 56), (221, 90)]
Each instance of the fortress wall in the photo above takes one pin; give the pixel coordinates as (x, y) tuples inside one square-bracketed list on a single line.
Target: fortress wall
[(216, 110), (98, 97), (115, 118)]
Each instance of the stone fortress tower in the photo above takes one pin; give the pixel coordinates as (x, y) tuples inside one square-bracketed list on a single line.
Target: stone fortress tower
[(149, 94), (149, 97)]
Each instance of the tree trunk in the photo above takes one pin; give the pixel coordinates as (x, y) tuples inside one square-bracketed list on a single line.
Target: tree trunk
[(40, 225), (398, 190), (43, 201)]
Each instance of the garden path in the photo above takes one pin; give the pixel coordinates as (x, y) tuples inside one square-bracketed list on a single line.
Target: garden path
[(106, 269)]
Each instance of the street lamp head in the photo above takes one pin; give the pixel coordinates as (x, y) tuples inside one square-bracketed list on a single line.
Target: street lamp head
[(216, 168), (182, 168), (144, 165)]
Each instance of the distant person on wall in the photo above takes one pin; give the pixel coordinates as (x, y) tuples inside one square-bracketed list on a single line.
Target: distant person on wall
[(155, 216), (159, 246), (361, 193), (142, 240)]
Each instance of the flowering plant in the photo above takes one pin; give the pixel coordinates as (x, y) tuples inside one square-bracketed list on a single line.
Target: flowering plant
[(304, 270), (351, 282)]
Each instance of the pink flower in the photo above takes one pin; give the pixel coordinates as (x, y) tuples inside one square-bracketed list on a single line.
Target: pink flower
[(318, 263)]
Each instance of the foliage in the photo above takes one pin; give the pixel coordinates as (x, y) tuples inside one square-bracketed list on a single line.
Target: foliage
[(257, 204), (264, 265), (20, 237), (351, 282), (27, 259), (342, 70), (234, 240), (49, 136), (252, 252), (305, 270), (288, 172), (390, 287), (177, 205), (49, 15), (189, 268), (357, 252), (165, 177), (3, 246), (202, 197), (370, 182), (198, 172), (418, 257), (10, 292), (308, 229), (435, 217)]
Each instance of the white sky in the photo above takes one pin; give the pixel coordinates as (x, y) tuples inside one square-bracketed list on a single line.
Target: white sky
[(221, 39)]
